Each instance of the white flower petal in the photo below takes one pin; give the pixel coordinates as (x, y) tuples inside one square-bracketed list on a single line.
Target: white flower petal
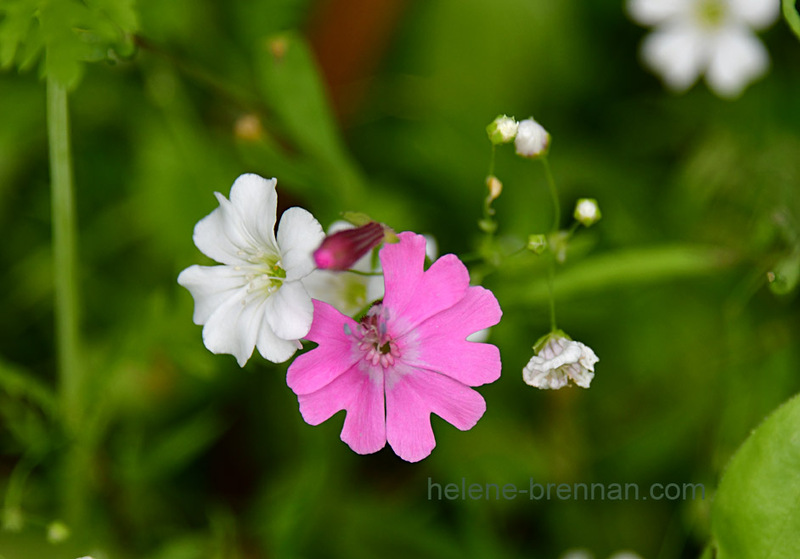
[(678, 53), (271, 347), (256, 200), (290, 311), (211, 287), (219, 235), (299, 234), (558, 362), (758, 14), (233, 327), (651, 12), (738, 58)]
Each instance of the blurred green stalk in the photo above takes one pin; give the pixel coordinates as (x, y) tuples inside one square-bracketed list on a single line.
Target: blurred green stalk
[(66, 295), (551, 269)]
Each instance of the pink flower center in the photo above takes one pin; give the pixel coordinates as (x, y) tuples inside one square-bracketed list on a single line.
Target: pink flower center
[(374, 340)]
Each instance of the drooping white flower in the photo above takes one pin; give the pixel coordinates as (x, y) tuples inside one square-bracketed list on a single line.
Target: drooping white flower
[(557, 361), (714, 37), (532, 139), (255, 298)]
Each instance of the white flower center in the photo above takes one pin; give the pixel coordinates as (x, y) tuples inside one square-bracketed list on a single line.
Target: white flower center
[(711, 13), (264, 274)]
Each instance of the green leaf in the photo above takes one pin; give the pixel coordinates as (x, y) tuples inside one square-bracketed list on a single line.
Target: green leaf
[(292, 87), (70, 32), (792, 16), (756, 511), (786, 274), (174, 450), (634, 266), (19, 383), (15, 27)]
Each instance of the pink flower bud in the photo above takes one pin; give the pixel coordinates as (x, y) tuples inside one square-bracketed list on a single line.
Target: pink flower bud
[(343, 249)]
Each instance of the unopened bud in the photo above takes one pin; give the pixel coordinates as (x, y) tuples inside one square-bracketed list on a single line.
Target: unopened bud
[(537, 244), (341, 250), (532, 139), (502, 130), (587, 212), (495, 187)]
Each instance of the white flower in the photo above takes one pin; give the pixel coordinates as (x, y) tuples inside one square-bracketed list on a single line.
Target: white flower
[(705, 36), (502, 130), (256, 297), (559, 361), (532, 139), (587, 212)]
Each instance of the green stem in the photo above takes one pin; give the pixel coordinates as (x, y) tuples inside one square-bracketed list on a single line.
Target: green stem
[(551, 183), (66, 297), (551, 269), (792, 16), (551, 276), (64, 253)]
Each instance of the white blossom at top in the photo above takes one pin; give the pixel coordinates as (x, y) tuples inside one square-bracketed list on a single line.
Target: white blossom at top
[(559, 361), (714, 37), (256, 297), (532, 139)]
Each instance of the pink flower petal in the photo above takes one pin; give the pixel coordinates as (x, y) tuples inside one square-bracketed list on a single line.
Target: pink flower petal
[(412, 395), (413, 295), (443, 346), (361, 395), (337, 352)]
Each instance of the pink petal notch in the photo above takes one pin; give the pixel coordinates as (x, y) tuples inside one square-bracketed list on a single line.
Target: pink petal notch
[(406, 359)]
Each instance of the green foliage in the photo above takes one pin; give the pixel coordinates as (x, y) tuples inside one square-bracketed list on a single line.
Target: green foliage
[(755, 512), (185, 455), (790, 12), (68, 32)]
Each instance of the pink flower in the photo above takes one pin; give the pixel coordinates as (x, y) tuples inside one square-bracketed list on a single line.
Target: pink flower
[(406, 359), (342, 249)]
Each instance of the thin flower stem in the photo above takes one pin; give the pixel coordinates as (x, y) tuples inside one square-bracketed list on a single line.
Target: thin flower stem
[(551, 183), (360, 273), (64, 252), (70, 374), (551, 272), (551, 276)]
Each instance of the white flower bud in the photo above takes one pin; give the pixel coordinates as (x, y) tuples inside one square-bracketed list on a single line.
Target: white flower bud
[(587, 212), (532, 139), (502, 129)]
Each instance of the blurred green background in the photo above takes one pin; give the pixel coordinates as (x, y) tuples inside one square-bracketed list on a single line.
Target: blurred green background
[(188, 456)]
